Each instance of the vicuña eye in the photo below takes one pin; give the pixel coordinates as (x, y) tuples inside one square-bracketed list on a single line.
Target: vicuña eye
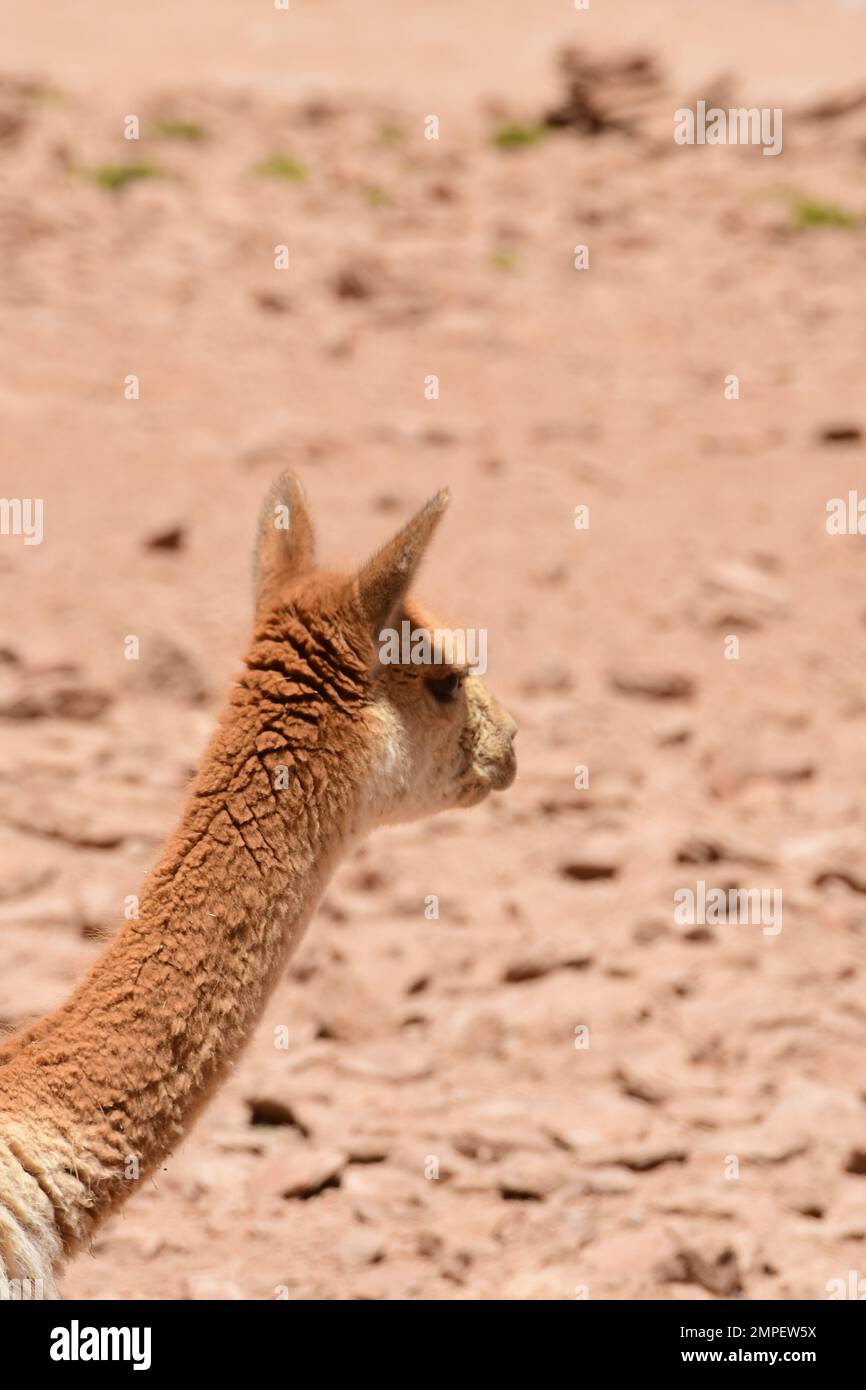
[(445, 689)]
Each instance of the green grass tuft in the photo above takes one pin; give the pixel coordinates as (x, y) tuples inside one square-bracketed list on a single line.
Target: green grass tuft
[(281, 166), (390, 133), (171, 128), (117, 176), (811, 212), (48, 96), (514, 136)]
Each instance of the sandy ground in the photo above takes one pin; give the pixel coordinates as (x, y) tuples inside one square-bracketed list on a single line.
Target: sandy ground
[(709, 1141)]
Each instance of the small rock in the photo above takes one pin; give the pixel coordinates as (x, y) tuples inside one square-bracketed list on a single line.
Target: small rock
[(544, 962), (387, 502), (550, 680), (429, 1245), (648, 930), (270, 302), (356, 281), (166, 668), (52, 909), (640, 1086), (738, 594), (697, 850), (478, 1032), (846, 878), (719, 1274), (95, 826), (837, 104), (49, 693), (345, 1009), (653, 685), (608, 1182), (585, 870), (265, 1110), (167, 538), (673, 733), (150, 1244), (643, 1158), (100, 907), (841, 433), (605, 93), (377, 1191), (308, 1172), (388, 1063), (530, 1177), (23, 868), (361, 1247), (368, 880), (367, 1148), (485, 1146)]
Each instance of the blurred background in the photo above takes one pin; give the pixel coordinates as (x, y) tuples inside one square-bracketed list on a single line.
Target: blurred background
[(157, 370)]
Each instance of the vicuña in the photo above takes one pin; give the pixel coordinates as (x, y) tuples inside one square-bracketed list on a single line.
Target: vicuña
[(110, 1082)]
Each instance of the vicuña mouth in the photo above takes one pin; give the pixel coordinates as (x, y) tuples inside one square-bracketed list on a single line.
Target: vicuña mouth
[(475, 793), (499, 776), (505, 778)]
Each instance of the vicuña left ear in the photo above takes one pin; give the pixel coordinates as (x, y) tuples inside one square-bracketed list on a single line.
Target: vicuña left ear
[(384, 581), (284, 543)]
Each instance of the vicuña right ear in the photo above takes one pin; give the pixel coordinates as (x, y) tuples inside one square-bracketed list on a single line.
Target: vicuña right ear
[(284, 543), (383, 582)]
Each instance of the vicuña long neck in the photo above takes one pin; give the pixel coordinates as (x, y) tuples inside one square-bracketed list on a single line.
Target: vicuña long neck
[(112, 1080)]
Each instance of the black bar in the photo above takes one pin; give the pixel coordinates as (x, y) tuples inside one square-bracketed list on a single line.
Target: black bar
[(228, 1337)]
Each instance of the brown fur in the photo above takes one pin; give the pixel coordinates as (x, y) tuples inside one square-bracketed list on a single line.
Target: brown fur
[(101, 1090)]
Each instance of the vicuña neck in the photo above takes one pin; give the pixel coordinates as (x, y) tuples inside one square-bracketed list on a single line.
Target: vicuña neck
[(115, 1077)]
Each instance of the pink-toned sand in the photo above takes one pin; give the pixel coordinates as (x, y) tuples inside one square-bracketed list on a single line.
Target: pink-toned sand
[(605, 1168)]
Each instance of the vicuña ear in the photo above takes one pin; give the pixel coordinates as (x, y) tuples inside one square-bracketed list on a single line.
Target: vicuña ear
[(284, 543), (383, 582)]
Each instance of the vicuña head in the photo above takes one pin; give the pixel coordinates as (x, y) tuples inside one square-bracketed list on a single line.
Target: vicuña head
[(419, 735), (322, 740)]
